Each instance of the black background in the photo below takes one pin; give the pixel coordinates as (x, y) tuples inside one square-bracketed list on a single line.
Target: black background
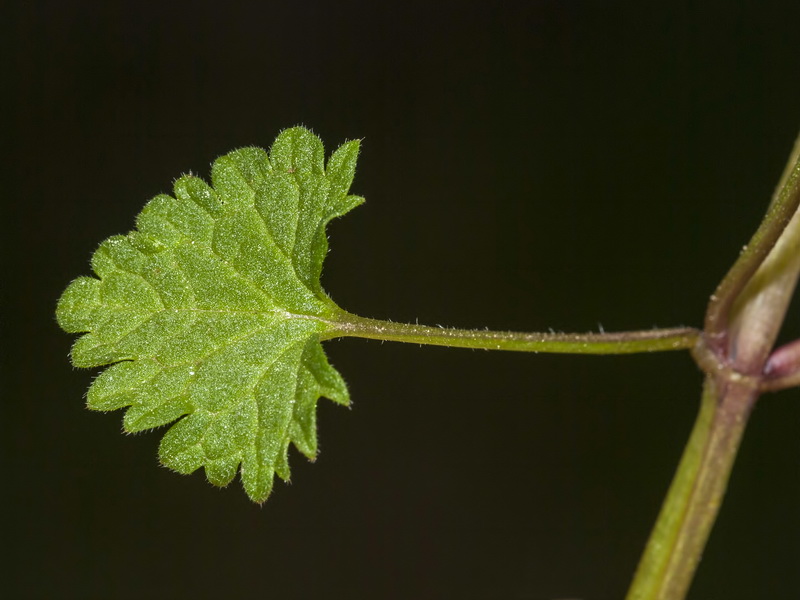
[(526, 166)]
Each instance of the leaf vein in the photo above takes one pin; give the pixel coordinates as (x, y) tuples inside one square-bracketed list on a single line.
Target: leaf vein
[(284, 253)]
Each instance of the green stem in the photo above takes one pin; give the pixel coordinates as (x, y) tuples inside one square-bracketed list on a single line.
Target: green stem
[(791, 164), (757, 314), (743, 319), (628, 342), (690, 509), (783, 206)]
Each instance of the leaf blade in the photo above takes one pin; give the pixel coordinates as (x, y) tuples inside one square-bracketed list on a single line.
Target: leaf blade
[(211, 312)]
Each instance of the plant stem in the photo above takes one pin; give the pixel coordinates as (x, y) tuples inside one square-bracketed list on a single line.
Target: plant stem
[(791, 163), (757, 314), (655, 340), (743, 320), (690, 509), (784, 204)]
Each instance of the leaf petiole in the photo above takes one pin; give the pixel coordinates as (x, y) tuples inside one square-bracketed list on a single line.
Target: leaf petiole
[(627, 342)]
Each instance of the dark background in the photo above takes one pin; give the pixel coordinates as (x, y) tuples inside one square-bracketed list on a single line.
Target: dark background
[(558, 165)]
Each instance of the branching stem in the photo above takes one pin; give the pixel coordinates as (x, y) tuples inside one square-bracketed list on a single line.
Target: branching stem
[(743, 319), (734, 350)]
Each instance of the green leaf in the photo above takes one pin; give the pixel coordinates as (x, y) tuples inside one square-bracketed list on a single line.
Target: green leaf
[(213, 312)]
